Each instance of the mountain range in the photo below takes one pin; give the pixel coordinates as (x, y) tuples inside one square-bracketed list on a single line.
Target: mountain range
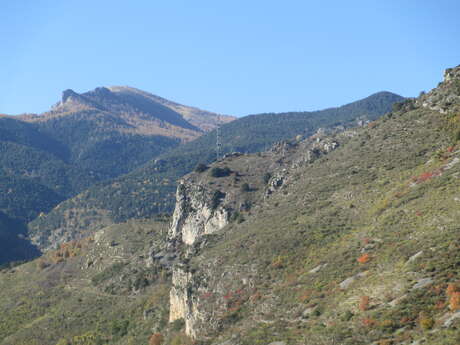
[(149, 190), (344, 232), (85, 139)]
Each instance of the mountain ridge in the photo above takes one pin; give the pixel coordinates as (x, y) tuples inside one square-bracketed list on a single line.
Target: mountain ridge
[(84, 139), (149, 190), (138, 103)]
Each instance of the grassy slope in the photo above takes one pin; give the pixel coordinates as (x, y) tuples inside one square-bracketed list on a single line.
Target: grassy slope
[(90, 291), (360, 199)]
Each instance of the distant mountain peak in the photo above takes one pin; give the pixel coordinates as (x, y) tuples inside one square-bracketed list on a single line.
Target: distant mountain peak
[(72, 101), (130, 110), (102, 91), (66, 94)]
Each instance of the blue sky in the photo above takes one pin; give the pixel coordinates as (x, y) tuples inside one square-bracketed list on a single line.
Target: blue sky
[(233, 57)]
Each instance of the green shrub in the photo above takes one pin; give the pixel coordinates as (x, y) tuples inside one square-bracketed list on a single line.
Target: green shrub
[(119, 328), (245, 187), (108, 273), (266, 178), (216, 199), (220, 172), (237, 217), (177, 325), (201, 167), (457, 136), (347, 316)]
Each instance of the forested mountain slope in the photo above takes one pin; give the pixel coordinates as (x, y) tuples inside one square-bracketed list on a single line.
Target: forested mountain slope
[(149, 190), (84, 139)]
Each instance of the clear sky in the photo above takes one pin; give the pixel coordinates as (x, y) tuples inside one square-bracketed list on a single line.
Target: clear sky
[(233, 57)]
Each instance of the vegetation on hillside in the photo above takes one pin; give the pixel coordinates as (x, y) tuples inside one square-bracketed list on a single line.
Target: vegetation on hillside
[(150, 190), (353, 245), (77, 296), (15, 247), (359, 246), (85, 139)]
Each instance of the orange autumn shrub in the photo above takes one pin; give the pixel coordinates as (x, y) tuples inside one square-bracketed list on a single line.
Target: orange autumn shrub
[(364, 258), (451, 288), (453, 293), (369, 322), (364, 303), (454, 301), (156, 339)]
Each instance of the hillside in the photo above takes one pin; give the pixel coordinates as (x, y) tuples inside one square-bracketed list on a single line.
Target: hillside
[(343, 239), (78, 288), (84, 139), (348, 237), (149, 190)]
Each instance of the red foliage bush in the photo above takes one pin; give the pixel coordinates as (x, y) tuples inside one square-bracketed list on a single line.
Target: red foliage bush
[(454, 301), (363, 258), (427, 175), (156, 339), (440, 305), (451, 288), (364, 303), (369, 322)]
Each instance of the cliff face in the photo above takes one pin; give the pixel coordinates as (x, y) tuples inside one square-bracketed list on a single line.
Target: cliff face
[(181, 304), (208, 294), (198, 212), (207, 299)]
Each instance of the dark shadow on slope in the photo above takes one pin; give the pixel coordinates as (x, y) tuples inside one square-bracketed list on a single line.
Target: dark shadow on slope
[(13, 244)]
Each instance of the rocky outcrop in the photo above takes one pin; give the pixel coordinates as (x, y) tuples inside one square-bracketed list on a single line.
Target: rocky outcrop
[(206, 298), (446, 97), (312, 149), (320, 147), (72, 101), (452, 73), (183, 304), (198, 212), (275, 182), (73, 225), (202, 291)]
